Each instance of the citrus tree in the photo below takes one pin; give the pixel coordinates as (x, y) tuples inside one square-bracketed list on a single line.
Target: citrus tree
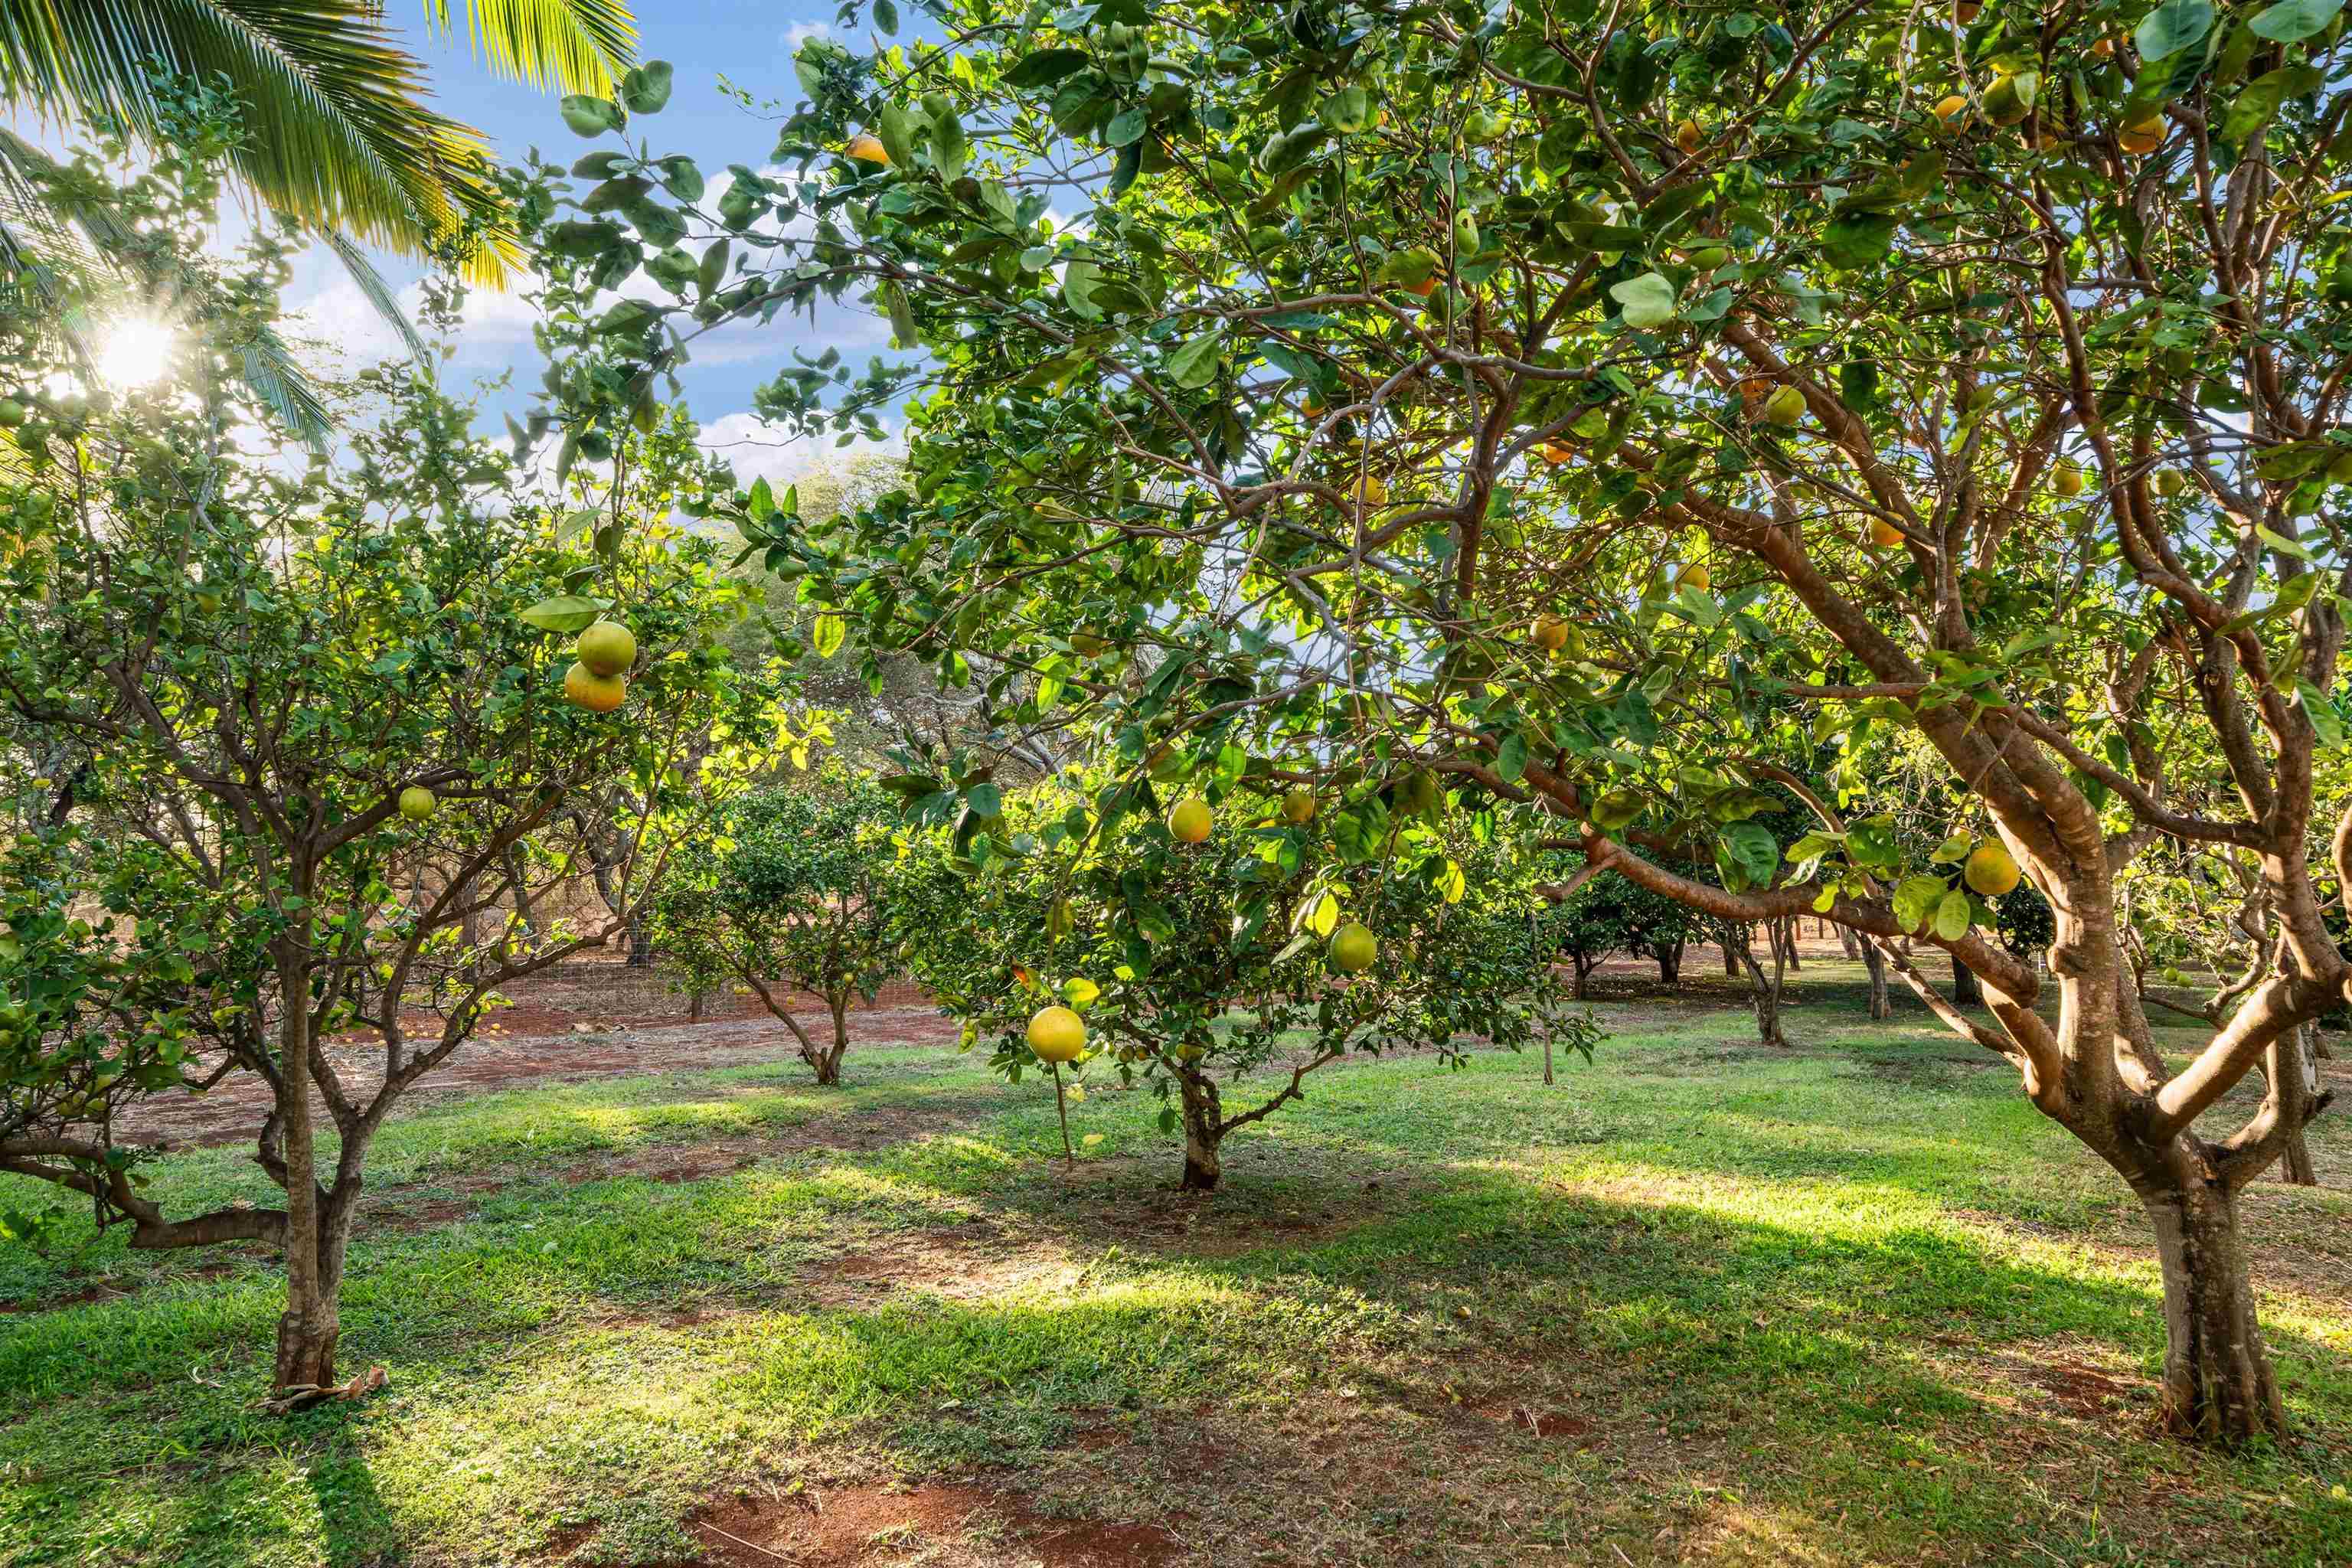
[(1608, 914), (1598, 404), (292, 758), (787, 891), (1201, 938)]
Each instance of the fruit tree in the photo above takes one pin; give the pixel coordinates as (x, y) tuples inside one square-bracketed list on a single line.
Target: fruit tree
[(1308, 356)]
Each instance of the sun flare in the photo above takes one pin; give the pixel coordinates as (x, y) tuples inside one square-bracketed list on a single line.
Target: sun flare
[(135, 351)]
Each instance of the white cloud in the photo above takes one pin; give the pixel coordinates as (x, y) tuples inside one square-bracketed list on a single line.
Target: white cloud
[(800, 33), (344, 324), (759, 449)]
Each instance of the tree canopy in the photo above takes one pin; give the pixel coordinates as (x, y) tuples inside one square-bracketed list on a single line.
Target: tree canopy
[(1606, 406)]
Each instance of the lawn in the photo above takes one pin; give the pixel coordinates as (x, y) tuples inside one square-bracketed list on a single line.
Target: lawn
[(1696, 1302)]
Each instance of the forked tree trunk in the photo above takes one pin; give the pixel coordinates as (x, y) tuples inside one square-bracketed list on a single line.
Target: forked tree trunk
[(825, 1061), (2218, 1382), (1965, 991), (1204, 1130), (1584, 967), (1764, 994), (1788, 932)]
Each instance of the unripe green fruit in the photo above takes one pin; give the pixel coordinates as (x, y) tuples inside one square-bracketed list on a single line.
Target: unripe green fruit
[(606, 648), (1353, 948), (418, 803)]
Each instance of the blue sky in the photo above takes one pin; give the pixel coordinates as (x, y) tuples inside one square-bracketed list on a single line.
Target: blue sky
[(750, 43)]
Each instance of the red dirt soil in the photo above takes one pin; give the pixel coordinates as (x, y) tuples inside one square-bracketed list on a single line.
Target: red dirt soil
[(583, 1021), (871, 1526)]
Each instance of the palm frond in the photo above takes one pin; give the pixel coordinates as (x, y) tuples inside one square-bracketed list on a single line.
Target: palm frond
[(582, 45), (337, 132), (377, 292), (268, 367)]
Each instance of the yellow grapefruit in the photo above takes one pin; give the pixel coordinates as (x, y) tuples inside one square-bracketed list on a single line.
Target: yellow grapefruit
[(1989, 871), (583, 687), (1188, 820), (1056, 1034)]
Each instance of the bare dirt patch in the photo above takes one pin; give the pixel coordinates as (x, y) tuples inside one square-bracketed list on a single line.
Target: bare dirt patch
[(233, 1113), (963, 1263), (938, 1525)]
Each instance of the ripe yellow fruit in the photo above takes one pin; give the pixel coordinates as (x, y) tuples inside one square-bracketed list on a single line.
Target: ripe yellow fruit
[(607, 648), (1785, 408), (1989, 871), (1371, 492), (1426, 288), (1189, 820), (1056, 1034), (2102, 48), (2067, 480), (1089, 643), (1557, 452), (1695, 577), (1884, 534), (416, 803), (1298, 807), (1549, 633), (1951, 109), (867, 148), (583, 687), (1687, 137), (2144, 138), (1353, 948)]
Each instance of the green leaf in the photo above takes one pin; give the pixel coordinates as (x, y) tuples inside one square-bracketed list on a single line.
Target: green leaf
[(1952, 916), (1915, 899), (1857, 240), (2322, 713), (1511, 758), (2283, 544), (827, 635), (591, 116), (1952, 850), (1195, 366), (1648, 301), (1043, 68), (646, 89), (1750, 847), (563, 612), (2291, 21), (2173, 26)]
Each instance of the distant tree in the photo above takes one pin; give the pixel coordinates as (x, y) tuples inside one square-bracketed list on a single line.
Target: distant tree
[(790, 890), (1198, 964)]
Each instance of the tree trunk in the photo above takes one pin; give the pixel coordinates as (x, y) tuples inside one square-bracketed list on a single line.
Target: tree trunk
[(1788, 943), (313, 1319), (1732, 942), (1882, 1006), (1764, 992), (1584, 968), (828, 1063), (1204, 1130), (2218, 1382), (641, 942), (2294, 1060), (1855, 948), (1966, 992), (1670, 964)]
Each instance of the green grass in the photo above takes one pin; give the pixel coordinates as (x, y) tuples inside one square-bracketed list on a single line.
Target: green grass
[(1780, 1307)]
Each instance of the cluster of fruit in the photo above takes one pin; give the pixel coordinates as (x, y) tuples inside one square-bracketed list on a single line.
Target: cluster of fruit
[(598, 679)]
